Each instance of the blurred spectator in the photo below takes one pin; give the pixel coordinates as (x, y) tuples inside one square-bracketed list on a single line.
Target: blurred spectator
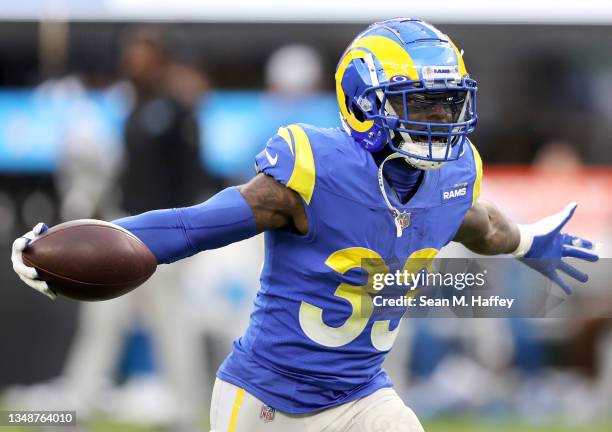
[(91, 156), (557, 156), (294, 69), (238, 123), (160, 170), (161, 134)]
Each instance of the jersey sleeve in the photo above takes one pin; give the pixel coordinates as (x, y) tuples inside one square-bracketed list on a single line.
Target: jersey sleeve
[(288, 158)]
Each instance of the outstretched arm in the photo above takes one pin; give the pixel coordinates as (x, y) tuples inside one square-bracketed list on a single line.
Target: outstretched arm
[(232, 215), (487, 231), (541, 245)]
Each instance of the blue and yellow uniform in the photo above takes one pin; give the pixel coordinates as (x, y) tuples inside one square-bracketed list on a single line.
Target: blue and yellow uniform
[(314, 340)]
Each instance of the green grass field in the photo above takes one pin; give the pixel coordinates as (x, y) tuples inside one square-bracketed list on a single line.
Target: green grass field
[(477, 425), (462, 424), (450, 424)]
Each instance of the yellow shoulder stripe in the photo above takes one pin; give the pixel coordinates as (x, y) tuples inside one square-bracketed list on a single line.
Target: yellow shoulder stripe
[(478, 181), (284, 134), (302, 178)]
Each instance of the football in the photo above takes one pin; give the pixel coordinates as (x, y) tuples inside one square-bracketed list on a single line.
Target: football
[(90, 260)]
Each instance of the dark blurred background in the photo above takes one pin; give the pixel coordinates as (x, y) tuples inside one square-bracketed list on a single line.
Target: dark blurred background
[(536, 82)]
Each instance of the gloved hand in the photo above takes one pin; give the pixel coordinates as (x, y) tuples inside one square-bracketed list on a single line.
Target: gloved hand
[(543, 245), (29, 274)]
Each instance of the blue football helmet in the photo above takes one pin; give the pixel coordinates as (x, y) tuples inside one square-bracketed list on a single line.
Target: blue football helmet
[(404, 84)]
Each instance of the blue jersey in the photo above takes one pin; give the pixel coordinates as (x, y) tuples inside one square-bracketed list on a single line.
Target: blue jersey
[(314, 339)]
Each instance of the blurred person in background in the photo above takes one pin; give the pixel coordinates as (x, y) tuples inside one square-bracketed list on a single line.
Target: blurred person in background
[(161, 170), (161, 134), (293, 92), (294, 70), (158, 167), (557, 156)]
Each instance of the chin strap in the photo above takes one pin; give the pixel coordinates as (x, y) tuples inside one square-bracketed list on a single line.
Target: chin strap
[(401, 219)]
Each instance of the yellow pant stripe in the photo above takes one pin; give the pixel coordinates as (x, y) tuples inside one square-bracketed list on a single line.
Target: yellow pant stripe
[(235, 410)]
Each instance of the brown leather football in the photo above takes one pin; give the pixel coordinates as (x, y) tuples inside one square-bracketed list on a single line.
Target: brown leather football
[(90, 260)]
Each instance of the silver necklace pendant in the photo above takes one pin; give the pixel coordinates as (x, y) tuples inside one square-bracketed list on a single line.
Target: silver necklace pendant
[(402, 221)]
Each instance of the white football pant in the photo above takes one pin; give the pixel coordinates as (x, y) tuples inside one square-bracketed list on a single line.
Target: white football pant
[(233, 409)]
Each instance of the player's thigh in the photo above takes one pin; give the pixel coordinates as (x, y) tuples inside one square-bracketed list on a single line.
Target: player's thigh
[(384, 411), (232, 409)]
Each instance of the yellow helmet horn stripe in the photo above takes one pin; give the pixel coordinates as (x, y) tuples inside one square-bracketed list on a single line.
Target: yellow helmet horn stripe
[(392, 57), (353, 122), (462, 69)]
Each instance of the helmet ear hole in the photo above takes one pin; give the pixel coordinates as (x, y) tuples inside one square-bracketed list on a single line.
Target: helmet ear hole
[(357, 112)]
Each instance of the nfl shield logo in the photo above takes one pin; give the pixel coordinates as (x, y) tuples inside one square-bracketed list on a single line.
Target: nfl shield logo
[(403, 220), (267, 413)]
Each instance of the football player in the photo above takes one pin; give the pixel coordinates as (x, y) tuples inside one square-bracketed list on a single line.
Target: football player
[(397, 182)]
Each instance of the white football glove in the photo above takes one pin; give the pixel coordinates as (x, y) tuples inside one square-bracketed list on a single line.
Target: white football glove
[(29, 274)]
